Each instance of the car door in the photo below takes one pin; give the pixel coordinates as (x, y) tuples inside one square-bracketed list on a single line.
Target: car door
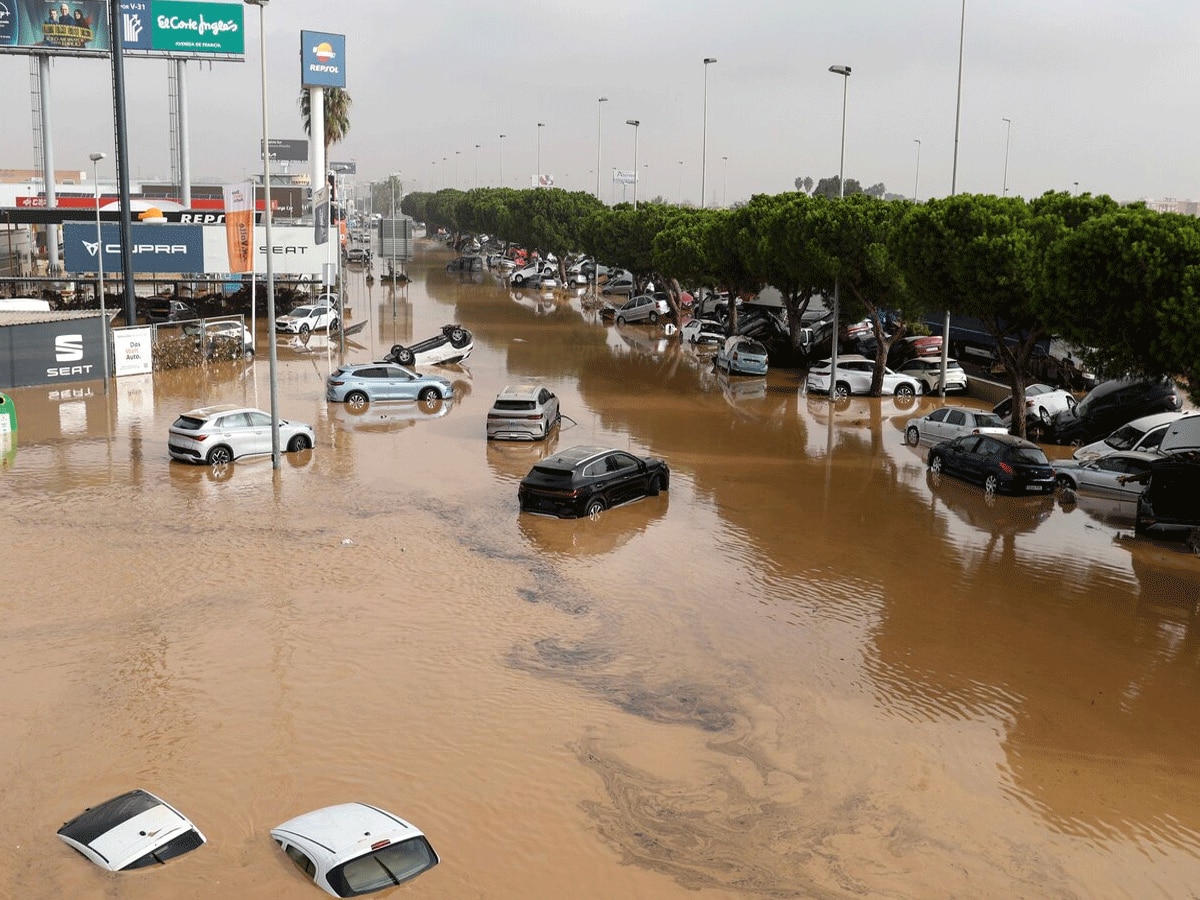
[(934, 426), (626, 477), (397, 383), (984, 460), (959, 458), (233, 429), (549, 404), (954, 424), (258, 431)]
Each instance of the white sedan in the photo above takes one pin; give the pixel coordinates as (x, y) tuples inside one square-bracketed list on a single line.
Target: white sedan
[(950, 422), (1041, 402), (854, 373), (703, 331)]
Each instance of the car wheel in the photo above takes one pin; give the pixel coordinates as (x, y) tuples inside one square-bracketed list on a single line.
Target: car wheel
[(356, 401), (334, 325), (304, 330), (905, 392), (458, 338), (841, 390), (518, 280), (991, 485), (220, 455), (594, 507), (428, 394), (926, 389), (936, 466), (912, 435), (653, 318), (298, 443), (620, 320), (405, 357), (1035, 431), (1064, 483), (655, 486), (1043, 415), (1193, 541)]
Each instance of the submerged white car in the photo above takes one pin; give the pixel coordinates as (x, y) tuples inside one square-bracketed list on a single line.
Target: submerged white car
[(305, 319), (353, 848), (131, 831)]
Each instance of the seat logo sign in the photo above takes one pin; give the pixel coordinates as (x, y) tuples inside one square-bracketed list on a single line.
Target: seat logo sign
[(68, 347)]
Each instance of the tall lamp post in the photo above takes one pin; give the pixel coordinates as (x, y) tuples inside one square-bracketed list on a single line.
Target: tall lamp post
[(962, 33), (599, 131), (725, 189), (95, 158), (843, 71), (635, 123), (917, 176), (457, 153), (477, 165), (502, 137), (679, 189), (1007, 139), (541, 125), (276, 456), (708, 60)]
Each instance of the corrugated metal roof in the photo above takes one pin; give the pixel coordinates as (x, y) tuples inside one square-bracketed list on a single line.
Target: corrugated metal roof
[(38, 318)]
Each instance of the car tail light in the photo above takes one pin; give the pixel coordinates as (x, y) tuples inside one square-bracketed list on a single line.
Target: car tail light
[(1006, 468), (336, 383), (379, 844)]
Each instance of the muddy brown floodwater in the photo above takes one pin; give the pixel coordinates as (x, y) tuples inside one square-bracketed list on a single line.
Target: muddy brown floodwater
[(803, 672)]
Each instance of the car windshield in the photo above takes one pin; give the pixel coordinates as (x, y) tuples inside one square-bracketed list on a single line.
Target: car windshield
[(301, 311), (987, 420), (1029, 455), (753, 347), (1124, 437), (383, 868)]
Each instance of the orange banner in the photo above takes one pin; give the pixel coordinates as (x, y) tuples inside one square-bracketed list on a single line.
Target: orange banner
[(239, 226)]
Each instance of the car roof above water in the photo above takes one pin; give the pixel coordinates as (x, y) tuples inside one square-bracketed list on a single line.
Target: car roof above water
[(570, 458)]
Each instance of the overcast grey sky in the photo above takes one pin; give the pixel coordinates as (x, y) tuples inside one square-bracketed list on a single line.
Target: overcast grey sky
[(1100, 92)]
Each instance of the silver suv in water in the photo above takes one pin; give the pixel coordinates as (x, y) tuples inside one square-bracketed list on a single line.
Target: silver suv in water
[(524, 412)]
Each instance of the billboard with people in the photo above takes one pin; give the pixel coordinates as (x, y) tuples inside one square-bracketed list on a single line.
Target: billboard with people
[(54, 26)]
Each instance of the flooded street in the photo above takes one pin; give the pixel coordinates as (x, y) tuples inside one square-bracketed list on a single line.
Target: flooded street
[(803, 672)]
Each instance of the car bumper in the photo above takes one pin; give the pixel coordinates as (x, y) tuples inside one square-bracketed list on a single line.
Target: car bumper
[(185, 454)]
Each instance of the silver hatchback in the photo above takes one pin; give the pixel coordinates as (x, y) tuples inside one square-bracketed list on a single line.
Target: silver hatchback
[(644, 308)]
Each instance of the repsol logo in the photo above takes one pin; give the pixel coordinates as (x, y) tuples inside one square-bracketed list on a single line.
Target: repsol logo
[(202, 218)]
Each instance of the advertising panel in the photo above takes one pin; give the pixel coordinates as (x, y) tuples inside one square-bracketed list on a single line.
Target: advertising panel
[(77, 27), (188, 27), (132, 350), (322, 59), (163, 248), (293, 251), (51, 352), (286, 150), (239, 223)]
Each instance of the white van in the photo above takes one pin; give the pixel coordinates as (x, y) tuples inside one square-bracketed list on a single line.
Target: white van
[(1184, 435), (23, 304)]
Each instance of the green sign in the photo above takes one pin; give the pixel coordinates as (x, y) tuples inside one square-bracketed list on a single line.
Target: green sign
[(188, 26)]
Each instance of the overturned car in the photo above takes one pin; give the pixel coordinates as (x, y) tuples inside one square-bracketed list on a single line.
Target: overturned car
[(453, 344)]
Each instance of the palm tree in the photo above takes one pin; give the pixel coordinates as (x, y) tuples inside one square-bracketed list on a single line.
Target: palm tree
[(337, 115)]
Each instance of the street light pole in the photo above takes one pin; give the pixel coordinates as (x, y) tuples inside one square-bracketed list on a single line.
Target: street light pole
[(917, 177), (95, 158), (476, 165), (680, 188), (599, 130), (635, 123), (502, 160), (457, 153), (1007, 139), (725, 189), (962, 32), (276, 457), (541, 125), (843, 71), (708, 60)]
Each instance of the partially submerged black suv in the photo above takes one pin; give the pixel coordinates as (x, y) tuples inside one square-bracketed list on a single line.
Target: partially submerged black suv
[(584, 481)]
